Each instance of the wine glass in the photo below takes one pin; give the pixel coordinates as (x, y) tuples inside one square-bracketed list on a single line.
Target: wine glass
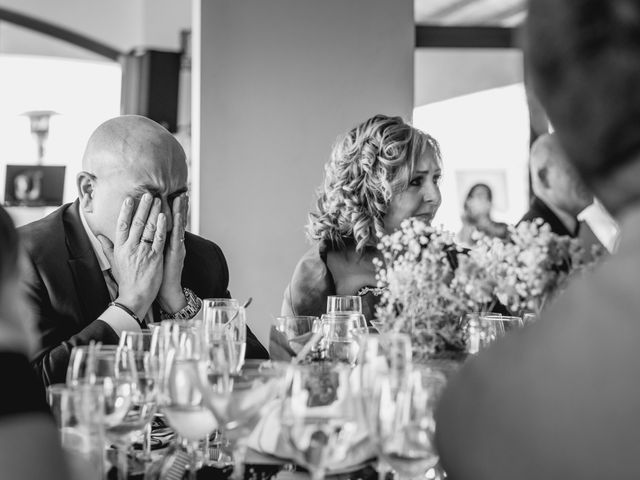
[(387, 354), (341, 336), (238, 400), (344, 304), (78, 415), (225, 331), (406, 424), (180, 397), (148, 366), (289, 334), (493, 327), (320, 415), (127, 411)]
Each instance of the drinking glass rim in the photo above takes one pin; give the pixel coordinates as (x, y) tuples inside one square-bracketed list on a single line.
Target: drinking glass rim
[(511, 318), (292, 317)]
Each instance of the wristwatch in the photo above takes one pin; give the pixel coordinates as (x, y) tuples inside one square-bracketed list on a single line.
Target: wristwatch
[(188, 312)]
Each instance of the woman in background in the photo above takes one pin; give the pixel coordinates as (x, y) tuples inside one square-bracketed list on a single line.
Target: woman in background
[(29, 443), (476, 216), (380, 173)]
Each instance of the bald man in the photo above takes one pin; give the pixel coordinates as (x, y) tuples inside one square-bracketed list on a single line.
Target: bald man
[(119, 257), (559, 193)]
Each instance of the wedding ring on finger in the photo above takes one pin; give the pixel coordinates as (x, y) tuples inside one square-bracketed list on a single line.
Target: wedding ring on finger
[(146, 240)]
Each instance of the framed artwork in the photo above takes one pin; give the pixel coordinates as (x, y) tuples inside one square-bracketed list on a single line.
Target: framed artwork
[(496, 180), (34, 185)]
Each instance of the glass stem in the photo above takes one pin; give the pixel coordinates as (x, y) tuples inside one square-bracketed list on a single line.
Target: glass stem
[(121, 462), (192, 451), (239, 454), (317, 473), (146, 442), (206, 445)]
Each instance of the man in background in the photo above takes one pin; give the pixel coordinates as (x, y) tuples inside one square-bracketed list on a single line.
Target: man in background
[(559, 192), (560, 398)]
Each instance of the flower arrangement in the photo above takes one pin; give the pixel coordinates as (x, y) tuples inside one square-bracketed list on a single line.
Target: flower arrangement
[(429, 284), (415, 274), (529, 269)]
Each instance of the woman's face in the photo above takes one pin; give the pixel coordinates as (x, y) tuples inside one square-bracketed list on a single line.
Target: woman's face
[(479, 203), (421, 199)]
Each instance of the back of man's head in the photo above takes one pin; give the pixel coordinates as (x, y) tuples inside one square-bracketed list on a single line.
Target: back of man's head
[(584, 59), (553, 177)]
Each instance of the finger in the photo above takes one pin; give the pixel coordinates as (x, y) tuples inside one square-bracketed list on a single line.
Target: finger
[(152, 221), (160, 235), (185, 211), (122, 225), (140, 218), (107, 247), (177, 234)]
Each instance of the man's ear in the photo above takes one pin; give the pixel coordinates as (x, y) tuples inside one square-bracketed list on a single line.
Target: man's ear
[(86, 189), (543, 176)]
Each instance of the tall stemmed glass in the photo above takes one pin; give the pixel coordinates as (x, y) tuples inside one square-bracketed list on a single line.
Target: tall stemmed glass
[(320, 415), (289, 334), (225, 331), (148, 366), (344, 304), (180, 398), (341, 333), (387, 354), (238, 399), (406, 424), (127, 411), (486, 329)]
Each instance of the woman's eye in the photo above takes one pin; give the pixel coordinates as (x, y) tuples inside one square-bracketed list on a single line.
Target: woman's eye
[(416, 182), (436, 179)]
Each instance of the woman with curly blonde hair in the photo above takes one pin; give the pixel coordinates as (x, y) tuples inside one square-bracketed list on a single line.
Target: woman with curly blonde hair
[(380, 173)]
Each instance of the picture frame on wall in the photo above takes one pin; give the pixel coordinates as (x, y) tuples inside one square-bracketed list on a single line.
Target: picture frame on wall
[(34, 185)]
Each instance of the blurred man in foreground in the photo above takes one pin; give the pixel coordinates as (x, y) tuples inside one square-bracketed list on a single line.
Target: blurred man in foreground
[(560, 399)]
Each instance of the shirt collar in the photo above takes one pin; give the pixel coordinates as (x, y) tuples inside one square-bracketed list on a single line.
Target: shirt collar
[(95, 243), (569, 221)]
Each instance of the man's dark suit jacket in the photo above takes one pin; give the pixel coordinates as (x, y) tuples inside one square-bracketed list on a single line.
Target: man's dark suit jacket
[(67, 288), (539, 209)]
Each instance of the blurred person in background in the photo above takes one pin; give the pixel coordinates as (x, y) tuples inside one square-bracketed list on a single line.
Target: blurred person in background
[(560, 398), (29, 444), (559, 194), (476, 216), (381, 172)]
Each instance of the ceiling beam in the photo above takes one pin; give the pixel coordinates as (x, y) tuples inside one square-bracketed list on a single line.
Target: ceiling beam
[(60, 33), (432, 36), (500, 16), (453, 7)]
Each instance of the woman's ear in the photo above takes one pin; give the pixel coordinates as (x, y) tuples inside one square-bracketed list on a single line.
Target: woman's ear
[(86, 190)]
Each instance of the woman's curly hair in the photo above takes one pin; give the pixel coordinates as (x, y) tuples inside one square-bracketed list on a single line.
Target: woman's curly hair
[(368, 165)]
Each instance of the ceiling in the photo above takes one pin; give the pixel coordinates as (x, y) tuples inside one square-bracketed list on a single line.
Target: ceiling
[(501, 13)]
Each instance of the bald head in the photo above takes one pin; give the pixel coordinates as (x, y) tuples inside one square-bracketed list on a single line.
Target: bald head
[(545, 152), (553, 177), (123, 141), (129, 156)]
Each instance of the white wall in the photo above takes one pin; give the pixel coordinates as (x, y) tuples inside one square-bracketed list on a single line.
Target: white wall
[(277, 81)]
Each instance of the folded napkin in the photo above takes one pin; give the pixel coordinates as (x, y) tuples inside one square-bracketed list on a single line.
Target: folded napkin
[(268, 438)]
